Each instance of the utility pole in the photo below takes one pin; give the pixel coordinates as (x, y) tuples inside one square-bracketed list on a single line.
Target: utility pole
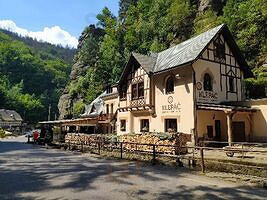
[(49, 112)]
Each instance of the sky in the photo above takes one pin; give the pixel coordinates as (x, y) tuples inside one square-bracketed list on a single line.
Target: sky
[(53, 21)]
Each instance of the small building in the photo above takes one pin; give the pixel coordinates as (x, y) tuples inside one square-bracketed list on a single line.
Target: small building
[(10, 119)]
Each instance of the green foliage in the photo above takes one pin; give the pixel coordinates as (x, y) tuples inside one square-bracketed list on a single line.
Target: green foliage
[(44, 50), (2, 133), (78, 108), (56, 130), (247, 21), (28, 82), (12, 97), (257, 87), (206, 21)]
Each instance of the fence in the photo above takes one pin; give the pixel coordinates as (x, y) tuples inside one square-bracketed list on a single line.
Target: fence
[(124, 147)]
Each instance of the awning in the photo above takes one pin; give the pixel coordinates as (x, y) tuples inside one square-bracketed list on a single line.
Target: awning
[(227, 108), (73, 122)]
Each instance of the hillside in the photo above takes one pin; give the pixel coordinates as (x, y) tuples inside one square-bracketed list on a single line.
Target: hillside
[(32, 76), (44, 49), (154, 25)]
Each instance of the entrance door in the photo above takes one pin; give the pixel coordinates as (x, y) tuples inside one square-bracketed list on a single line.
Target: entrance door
[(239, 131), (217, 130)]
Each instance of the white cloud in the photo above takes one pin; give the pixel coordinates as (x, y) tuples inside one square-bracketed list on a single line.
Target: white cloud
[(53, 35)]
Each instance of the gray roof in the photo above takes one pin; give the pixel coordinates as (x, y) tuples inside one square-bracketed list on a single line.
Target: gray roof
[(177, 55), (9, 115), (147, 62), (95, 108), (186, 51)]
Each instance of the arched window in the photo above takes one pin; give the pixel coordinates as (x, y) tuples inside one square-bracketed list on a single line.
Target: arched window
[(170, 85), (207, 82)]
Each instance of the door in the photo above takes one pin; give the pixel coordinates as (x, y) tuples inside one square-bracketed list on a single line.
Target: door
[(239, 131), (217, 130)]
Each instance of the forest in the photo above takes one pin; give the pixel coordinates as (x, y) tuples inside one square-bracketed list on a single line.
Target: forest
[(32, 75), (154, 25)]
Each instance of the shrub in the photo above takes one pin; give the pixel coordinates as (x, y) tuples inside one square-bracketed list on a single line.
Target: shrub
[(56, 130), (2, 133)]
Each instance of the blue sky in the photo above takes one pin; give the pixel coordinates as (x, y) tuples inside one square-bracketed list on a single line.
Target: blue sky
[(69, 15)]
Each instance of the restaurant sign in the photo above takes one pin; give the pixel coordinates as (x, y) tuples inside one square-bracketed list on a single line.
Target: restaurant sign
[(171, 107), (206, 95)]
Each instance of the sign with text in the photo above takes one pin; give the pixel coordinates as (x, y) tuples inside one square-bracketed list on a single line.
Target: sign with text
[(206, 95), (172, 107)]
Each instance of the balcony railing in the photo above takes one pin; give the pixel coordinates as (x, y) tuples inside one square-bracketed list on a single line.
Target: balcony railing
[(105, 117)]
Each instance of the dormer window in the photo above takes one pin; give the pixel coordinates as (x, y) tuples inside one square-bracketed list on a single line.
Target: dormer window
[(207, 82), (93, 109), (109, 89), (219, 53), (170, 85)]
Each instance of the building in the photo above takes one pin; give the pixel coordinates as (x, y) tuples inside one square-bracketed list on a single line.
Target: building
[(195, 87), (10, 119)]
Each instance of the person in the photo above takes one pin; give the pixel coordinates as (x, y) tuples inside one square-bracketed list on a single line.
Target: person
[(35, 136)]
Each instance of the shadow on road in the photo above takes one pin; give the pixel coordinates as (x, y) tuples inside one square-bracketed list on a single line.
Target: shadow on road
[(27, 169)]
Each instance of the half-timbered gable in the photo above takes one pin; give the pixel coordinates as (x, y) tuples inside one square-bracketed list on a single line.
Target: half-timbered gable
[(134, 87), (220, 71)]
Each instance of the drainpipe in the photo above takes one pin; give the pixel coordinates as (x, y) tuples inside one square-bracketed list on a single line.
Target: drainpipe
[(195, 106)]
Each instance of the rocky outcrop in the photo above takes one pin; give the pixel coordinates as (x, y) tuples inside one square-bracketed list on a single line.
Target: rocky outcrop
[(79, 69), (215, 5)]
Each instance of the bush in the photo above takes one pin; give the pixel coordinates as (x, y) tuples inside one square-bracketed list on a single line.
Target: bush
[(56, 130), (2, 133)]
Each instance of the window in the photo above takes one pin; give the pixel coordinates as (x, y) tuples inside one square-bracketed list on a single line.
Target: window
[(231, 84), (107, 109), (123, 92), (111, 108), (134, 91), (169, 85), (141, 89), (207, 82), (210, 131), (170, 125), (144, 125), (109, 89), (219, 53), (138, 90), (123, 125)]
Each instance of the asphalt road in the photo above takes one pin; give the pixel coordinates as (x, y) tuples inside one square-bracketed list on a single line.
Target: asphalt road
[(32, 172)]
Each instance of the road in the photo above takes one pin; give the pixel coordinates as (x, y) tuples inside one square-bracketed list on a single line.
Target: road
[(33, 172)]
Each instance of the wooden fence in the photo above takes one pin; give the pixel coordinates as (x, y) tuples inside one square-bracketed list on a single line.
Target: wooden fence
[(237, 147)]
